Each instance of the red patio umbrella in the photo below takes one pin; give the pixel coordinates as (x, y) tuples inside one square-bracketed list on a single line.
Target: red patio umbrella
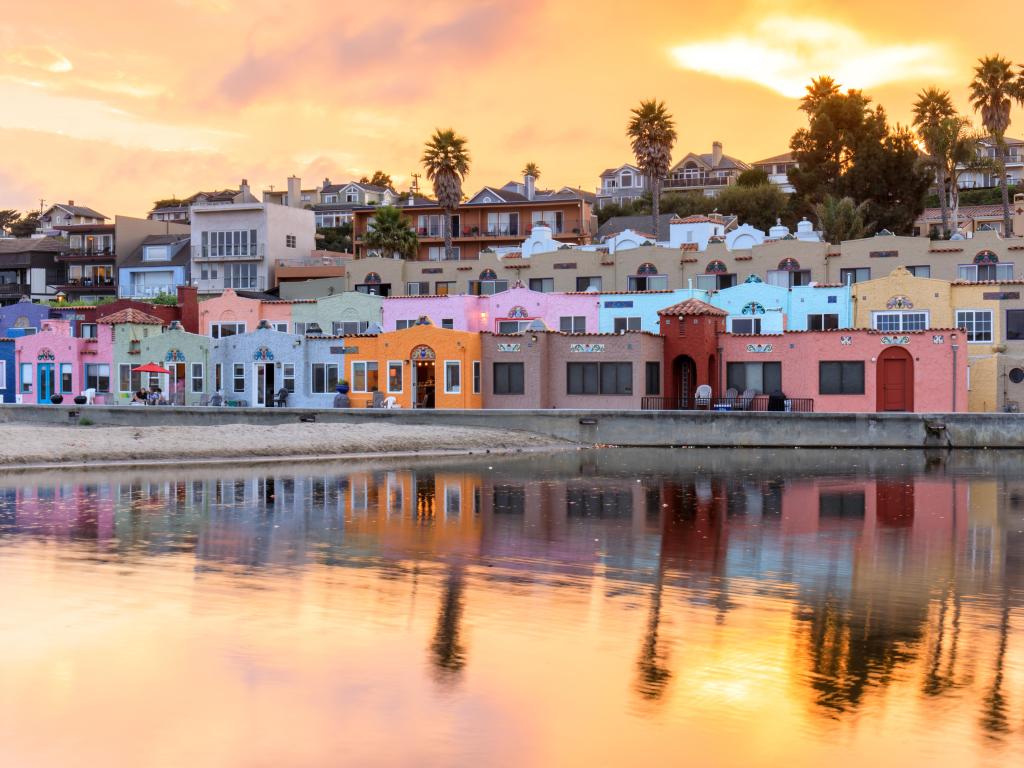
[(150, 368)]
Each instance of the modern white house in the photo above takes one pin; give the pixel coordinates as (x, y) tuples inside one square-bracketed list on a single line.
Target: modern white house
[(621, 185), (238, 245), (987, 176), (778, 168)]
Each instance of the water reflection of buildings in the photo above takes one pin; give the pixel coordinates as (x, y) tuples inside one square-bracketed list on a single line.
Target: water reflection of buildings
[(832, 536)]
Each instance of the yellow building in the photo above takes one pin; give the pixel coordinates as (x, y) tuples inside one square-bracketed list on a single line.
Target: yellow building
[(988, 316)]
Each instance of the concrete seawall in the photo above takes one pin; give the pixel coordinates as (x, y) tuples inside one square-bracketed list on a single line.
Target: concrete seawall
[(625, 428)]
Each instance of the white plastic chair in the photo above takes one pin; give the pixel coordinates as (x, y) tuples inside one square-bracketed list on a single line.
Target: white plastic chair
[(391, 402), (89, 395)]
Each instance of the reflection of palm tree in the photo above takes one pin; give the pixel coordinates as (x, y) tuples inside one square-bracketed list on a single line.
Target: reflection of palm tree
[(654, 672), (449, 654), (993, 718)]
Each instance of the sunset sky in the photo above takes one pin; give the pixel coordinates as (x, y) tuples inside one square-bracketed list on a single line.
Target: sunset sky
[(116, 104)]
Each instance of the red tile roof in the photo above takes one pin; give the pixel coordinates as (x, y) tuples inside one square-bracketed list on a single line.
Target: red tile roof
[(692, 307), (130, 315)]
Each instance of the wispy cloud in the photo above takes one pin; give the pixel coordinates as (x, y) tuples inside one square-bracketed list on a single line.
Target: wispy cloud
[(41, 57), (784, 53)]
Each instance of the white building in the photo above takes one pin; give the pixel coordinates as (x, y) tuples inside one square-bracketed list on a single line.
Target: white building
[(778, 168), (987, 177), (621, 185), (239, 245)]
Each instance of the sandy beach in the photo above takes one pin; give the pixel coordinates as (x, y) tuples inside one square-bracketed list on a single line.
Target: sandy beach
[(22, 445)]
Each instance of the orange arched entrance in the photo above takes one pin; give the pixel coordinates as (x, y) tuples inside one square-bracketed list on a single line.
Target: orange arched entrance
[(894, 375)]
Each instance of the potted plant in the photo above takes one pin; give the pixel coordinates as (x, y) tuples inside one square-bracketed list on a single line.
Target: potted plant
[(56, 398), (80, 399), (342, 387), (475, 230)]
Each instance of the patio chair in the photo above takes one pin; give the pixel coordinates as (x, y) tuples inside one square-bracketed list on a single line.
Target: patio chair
[(746, 399), (391, 402), (204, 400), (702, 397)]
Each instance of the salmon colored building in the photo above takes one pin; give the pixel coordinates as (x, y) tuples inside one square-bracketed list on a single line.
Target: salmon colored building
[(422, 366), (693, 330), (230, 313)]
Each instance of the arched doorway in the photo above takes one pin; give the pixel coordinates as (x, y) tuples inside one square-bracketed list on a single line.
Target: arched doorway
[(424, 390), (895, 380), (684, 372)]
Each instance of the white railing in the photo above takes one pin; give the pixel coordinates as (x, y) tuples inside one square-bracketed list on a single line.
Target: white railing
[(146, 291), (250, 253), (219, 284)]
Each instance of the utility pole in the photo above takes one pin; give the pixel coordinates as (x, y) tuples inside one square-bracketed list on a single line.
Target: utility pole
[(415, 186)]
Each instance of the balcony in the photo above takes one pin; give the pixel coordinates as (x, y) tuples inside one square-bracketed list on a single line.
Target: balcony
[(697, 182), (89, 285), (252, 253), (220, 284), (15, 289), (146, 291), (89, 254)]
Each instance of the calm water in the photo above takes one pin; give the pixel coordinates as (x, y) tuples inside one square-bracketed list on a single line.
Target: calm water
[(706, 608)]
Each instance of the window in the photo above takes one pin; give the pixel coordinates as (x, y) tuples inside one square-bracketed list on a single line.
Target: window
[(437, 253), (652, 374), (626, 180), (854, 275), (760, 377), (620, 324), (588, 283), (349, 327), (324, 378), (542, 284), (575, 324), (395, 376), (218, 377), (788, 278), (238, 383), (417, 289), (288, 377), (240, 276), (647, 283), (978, 323), (1015, 325), (87, 330), (599, 378), (922, 270), (444, 287), (976, 273), (374, 289), (25, 382), (401, 325), (892, 322), (3, 374), (447, 322), (289, 241), (512, 326), (65, 378), (97, 376), (233, 243), (745, 325), (848, 505), (281, 327), (508, 378), (552, 219), (197, 378), (841, 378), (156, 253), (823, 322), (364, 376), (452, 377), (223, 330), (502, 224), (716, 282), (487, 287), (476, 377)]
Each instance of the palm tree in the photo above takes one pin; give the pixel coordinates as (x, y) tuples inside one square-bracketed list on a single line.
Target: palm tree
[(446, 161), (932, 107), (992, 91), (956, 149), (820, 89), (390, 234), (531, 169), (841, 219), (652, 134)]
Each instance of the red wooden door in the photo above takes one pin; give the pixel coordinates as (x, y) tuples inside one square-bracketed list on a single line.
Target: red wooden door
[(895, 381)]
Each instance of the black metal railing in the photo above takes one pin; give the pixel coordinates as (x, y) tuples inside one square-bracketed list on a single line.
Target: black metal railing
[(756, 403)]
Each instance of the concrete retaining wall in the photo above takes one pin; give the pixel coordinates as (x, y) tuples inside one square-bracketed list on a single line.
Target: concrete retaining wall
[(625, 428)]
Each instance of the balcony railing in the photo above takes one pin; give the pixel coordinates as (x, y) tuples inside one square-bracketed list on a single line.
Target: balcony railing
[(693, 182), (146, 291), (87, 254), (755, 403), (252, 253), (15, 289), (219, 284), (88, 285)]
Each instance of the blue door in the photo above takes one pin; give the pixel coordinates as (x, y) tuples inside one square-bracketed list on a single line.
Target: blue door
[(46, 382)]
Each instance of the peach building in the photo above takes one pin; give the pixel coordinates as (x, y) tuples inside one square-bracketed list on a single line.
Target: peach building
[(230, 314)]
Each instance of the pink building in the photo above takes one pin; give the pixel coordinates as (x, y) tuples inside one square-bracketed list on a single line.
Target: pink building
[(230, 314), (853, 370), (55, 362), (510, 311)]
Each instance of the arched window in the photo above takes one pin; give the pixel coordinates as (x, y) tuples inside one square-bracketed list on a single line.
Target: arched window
[(647, 269), (789, 265), (716, 267), (372, 279), (422, 352), (488, 274), (986, 257)]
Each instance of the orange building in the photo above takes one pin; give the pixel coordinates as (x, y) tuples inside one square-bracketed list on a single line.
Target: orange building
[(421, 366)]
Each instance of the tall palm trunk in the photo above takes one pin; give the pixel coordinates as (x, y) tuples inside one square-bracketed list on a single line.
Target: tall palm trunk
[(944, 201), (655, 204), (448, 234), (1003, 187)]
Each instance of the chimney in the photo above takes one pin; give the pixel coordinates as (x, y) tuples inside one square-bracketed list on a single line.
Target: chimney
[(531, 186), (327, 183), (294, 192), (243, 189), (71, 202), (716, 153), (188, 307)]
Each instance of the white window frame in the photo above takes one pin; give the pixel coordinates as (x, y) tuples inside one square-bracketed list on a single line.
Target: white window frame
[(752, 320), (629, 320), (288, 374), (221, 324), (192, 378), (362, 364), (3, 375), (235, 378), (401, 369), (279, 326), (327, 367), (991, 324), (457, 365), (902, 313)]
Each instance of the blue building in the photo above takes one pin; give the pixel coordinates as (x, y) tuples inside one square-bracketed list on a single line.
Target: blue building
[(158, 266), (23, 317), (638, 311), (757, 307), (8, 388)]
